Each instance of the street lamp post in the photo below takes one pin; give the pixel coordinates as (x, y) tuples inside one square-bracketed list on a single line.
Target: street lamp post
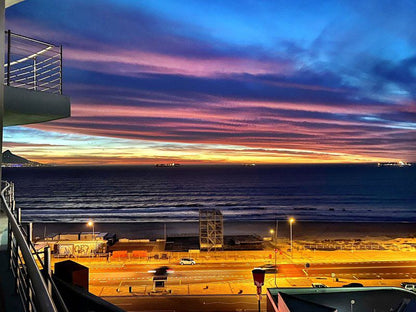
[(274, 249), (291, 220), (90, 223)]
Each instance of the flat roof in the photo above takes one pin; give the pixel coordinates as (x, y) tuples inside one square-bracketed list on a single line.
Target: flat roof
[(340, 298)]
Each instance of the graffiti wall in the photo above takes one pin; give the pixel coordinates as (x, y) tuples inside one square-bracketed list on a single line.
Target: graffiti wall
[(79, 249)]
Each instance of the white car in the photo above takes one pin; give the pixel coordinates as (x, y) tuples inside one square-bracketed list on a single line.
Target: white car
[(187, 261), (409, 286), (319, 285)]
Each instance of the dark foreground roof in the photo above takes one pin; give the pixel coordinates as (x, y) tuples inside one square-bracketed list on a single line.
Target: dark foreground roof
[(339, 299)]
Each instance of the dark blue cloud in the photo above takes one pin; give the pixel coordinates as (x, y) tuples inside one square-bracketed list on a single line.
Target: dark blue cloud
[(403, 74)]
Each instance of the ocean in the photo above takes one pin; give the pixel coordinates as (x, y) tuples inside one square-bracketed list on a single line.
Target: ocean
[(328, 193)]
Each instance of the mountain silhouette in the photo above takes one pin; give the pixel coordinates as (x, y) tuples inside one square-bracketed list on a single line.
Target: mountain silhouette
[(10, 158)]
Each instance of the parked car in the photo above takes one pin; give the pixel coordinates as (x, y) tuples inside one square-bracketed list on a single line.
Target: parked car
[(353, 285), (407, 283), (269, 268), (318, 285), (409, 286), (187, 261)]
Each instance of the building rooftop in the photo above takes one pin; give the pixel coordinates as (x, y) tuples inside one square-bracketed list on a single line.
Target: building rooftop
[(341, 299)]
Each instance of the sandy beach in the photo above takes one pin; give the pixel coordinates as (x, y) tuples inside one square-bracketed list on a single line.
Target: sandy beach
[(303, 230)]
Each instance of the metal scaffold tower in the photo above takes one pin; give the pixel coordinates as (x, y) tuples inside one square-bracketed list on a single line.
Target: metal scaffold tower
[(210, 229)]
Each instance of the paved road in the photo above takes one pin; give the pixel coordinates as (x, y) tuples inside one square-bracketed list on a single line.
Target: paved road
[(222, 303), (102, 275), (366, 270), (137, 275)]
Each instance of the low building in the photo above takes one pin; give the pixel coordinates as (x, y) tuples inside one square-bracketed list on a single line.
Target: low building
[(76, 244), (341, 299)]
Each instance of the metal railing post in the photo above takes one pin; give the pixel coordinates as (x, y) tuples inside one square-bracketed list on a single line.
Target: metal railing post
[(9, 237), (8, 57), (12, 203), (60, 71), (29, 233), (47, 268), (16, 252), (34, 74), (29, 294), (19, 215)]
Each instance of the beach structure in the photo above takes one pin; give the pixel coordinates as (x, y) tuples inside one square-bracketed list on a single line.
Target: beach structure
[(211, 236), (340, 299)]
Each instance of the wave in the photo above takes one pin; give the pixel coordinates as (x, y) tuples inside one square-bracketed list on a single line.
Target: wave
[(344, 193)]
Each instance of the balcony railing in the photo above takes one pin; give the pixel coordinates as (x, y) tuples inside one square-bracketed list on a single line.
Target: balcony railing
[(37, 290), (32, 64)]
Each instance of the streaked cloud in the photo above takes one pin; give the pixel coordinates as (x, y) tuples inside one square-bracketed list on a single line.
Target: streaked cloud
[(260, 81)]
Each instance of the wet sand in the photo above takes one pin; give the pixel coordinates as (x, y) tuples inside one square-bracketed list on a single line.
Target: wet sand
[(303, 230)]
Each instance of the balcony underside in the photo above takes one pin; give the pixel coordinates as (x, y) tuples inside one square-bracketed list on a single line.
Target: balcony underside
[(22, 106), (9, 3)]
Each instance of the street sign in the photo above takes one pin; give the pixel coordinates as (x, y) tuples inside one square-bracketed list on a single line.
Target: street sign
[(258, 277)]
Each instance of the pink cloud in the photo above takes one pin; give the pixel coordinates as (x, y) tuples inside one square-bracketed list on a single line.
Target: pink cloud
[(153, 62)]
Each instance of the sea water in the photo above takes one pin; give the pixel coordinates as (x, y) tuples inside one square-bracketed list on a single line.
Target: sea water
[(335, 193)]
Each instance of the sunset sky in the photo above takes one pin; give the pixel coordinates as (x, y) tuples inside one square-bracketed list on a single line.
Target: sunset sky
[(155, 81)]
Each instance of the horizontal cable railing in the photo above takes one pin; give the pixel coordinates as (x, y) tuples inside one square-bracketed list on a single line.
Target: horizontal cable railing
[(37, 290), (32, 64)]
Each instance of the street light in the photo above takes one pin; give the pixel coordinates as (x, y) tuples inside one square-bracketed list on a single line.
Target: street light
[(291, 221), (90, 223), (272, 233)]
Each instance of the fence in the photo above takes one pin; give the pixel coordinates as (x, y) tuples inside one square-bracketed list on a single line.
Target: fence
[(37, 291)]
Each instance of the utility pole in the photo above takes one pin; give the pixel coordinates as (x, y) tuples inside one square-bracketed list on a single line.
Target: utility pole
[(275, 231)]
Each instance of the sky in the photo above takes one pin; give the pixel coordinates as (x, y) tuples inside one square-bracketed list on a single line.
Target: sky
[(246, 81)]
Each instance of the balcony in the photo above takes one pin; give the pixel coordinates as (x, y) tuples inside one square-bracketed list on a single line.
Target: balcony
[(26, 273), (33, 94), (32, 81)]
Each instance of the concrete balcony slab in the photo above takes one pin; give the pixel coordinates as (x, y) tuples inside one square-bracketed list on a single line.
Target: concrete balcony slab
[(22, 106)]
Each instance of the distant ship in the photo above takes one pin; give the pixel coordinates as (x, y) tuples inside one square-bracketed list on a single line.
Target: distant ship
[(394, 164), (168, 165)]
